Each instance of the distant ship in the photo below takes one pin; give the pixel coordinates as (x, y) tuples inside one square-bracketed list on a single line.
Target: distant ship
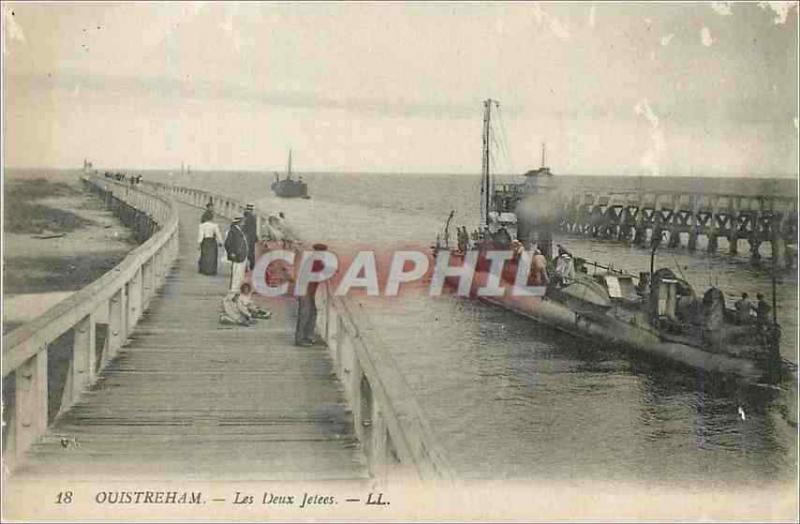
[(289, 187)]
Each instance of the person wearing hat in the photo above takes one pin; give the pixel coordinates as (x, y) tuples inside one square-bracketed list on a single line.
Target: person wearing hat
[(762, 310), (236, 246), (307, 307), (250, 228), (538, 275), (565, 268)]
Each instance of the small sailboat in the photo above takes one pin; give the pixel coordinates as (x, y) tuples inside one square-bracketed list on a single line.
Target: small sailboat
[(290, 187)]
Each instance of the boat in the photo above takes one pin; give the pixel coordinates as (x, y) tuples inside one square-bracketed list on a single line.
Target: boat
[(655, 313), (290, 187)]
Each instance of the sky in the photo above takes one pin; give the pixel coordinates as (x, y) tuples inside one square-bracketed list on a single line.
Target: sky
[(611, 88)]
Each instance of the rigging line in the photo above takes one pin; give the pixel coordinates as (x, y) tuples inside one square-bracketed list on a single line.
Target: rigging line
[(505, 138), (494, 156), (502, 149), (503, 135)]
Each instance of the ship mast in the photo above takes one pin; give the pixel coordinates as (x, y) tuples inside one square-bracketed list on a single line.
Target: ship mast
[(543, 151), (486, 185)]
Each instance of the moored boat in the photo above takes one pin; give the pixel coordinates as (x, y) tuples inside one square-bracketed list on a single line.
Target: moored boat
[(653, 313)]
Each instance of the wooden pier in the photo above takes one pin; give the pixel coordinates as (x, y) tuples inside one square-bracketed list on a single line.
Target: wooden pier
[(134, 378), (681, 219), (189, 398)]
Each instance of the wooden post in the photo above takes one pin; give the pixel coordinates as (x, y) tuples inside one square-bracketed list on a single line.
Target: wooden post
[(147, 283), (84, 350), (125, 321), (114, 339), (115, 326), (157, 271), (136, 298), (713, 230), (81, 367), (733, 220), (30, 410), (379, 436), (782, 256), (103, 313), (694, 230)]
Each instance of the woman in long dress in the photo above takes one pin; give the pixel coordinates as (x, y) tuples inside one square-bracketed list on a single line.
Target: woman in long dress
[(209, 237)]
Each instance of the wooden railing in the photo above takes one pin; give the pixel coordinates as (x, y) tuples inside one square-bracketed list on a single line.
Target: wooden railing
[(112, 304), (388, 420), (389, 423)]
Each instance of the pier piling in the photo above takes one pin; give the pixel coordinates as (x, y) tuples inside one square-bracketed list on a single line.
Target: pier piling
[(628, 215)]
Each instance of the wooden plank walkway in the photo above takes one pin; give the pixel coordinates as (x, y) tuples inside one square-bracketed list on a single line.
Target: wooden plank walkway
[(189, 398)]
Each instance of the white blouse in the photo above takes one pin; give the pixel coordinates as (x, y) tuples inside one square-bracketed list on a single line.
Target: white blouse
[(209, 230)]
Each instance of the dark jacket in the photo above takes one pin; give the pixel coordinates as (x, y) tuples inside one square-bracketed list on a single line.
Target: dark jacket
[(250, 227), (236, 244)]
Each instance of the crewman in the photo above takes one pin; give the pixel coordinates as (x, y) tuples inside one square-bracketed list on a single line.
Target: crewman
[(538, 276), (744, 310), (463, 239), (502, 237), (565, 268), (762, 310)]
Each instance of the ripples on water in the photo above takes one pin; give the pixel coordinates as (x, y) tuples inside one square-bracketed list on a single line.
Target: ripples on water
[(511, 399)]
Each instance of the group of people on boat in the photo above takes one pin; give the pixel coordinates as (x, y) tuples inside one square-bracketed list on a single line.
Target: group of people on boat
[(560, 272), (749, 313)]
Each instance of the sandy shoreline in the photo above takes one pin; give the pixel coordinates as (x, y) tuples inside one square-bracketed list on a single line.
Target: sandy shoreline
[(57, 239)]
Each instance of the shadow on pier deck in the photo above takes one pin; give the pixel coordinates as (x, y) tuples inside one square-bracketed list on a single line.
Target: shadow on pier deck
[(189, 398)]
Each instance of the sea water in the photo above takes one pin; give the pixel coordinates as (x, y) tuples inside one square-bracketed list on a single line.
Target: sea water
[(509, 398)]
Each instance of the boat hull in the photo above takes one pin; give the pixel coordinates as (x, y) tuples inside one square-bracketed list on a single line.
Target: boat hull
[(617, 333), (290, 189), (612, 331)]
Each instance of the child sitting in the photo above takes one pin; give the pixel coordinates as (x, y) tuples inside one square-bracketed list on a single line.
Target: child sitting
[(245, 301), (233, 312)]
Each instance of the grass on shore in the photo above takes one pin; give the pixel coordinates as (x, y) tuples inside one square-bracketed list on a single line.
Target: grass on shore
[(24, 216)]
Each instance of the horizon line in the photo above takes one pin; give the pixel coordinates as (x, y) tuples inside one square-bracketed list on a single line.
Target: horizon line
[(266, 171)]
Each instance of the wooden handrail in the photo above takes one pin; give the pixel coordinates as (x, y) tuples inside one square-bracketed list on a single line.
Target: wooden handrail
[(412, 438), (28, 339), (395, 410), (116, 299)]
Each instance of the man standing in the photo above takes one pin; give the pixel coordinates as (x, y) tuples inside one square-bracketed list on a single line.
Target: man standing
[(538, 275), (565, 269), (744, 310), (762, 310), (236, 245), (307, 307), (250, 228)]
